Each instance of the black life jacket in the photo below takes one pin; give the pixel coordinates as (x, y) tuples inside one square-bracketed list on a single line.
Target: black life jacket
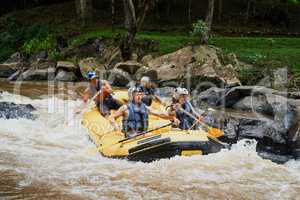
[(137, 120), (186, 122)]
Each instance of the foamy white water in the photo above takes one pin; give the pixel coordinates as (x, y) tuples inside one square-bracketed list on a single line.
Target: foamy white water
[(53, 158)]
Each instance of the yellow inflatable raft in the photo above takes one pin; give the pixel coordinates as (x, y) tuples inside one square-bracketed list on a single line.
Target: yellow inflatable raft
[(162, 143)]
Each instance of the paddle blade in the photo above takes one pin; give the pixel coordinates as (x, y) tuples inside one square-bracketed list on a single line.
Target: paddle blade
[(215, 132)]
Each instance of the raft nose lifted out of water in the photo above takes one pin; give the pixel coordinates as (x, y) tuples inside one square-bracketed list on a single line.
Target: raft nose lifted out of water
[(157, 144)]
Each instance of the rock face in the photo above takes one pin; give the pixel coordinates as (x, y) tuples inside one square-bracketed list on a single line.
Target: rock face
[(41, 70), (255, 113), (118, 77), (145, 71), (10, 110), (37, 75), (66, 65), (195, 64), (15, 63), (130, 67), (8, 69), (90, 64), (65, 76)]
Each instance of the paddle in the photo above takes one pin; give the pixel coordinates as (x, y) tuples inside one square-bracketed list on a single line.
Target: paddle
[(145, 132), (212, 131)]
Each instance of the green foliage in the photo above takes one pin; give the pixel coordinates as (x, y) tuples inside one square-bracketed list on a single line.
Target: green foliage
[(200, 28), (55, 55), (10, 39), (36, 45), (15, 35)]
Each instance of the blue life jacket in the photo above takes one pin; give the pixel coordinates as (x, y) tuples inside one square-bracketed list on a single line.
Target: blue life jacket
[(137, 119), (186, 122)]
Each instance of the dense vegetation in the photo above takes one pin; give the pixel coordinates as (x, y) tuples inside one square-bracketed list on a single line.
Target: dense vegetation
[(38, 28)]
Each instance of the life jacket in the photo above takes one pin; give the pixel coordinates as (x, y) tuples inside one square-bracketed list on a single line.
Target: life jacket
[(137, 120), (186, 122)]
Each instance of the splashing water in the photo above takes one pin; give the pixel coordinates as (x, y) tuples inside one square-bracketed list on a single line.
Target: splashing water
[(51, 159)]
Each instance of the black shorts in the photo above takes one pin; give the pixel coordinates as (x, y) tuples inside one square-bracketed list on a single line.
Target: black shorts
[(108, 104)]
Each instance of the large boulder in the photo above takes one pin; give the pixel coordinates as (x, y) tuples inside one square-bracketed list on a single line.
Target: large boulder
[(66, 66), (65, 76), (172, 66), (118, 77), (145, 71), (112, 56), (89, 48), (16, 58), (270, 115), (130, 66), (40, 70), (15, 63), (10, 110), (146, 59), (7, 69), (280, 77), (195, 64), (31, 74), (42, 55), (90, 64)]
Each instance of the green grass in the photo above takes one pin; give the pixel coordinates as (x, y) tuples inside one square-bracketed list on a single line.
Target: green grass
[(253, 49)]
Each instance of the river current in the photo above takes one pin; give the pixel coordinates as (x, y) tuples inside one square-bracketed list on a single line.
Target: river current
[(52, 158)]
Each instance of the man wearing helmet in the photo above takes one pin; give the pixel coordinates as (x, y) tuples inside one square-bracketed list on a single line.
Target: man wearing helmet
[(104, 100), (136, 114), (149, 90), (180, 106)]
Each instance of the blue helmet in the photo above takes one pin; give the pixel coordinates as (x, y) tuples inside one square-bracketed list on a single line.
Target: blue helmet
[(92, 75)]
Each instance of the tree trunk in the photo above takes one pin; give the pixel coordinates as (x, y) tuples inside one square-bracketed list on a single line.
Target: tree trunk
[(209, 20), (247, 12), (220, 10), (131, 26), (84, 10), (189, 12), (144, 7), (113, 15)]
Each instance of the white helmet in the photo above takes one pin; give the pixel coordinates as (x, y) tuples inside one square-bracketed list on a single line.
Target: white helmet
[(180, 91), (145, 79)]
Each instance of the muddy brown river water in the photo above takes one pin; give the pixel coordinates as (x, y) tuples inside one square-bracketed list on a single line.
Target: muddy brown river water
[(53, 158)]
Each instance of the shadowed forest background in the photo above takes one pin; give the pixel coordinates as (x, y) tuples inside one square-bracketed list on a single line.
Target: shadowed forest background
[(263, 33)]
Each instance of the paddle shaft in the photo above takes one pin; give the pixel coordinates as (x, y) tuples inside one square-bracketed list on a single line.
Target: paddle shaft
[(149, 131), (195, 118)]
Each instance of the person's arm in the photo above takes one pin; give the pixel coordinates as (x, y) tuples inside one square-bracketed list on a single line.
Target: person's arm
[(86, 95), (163, 115), (195, 113), (120, 112), (157, 98)]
